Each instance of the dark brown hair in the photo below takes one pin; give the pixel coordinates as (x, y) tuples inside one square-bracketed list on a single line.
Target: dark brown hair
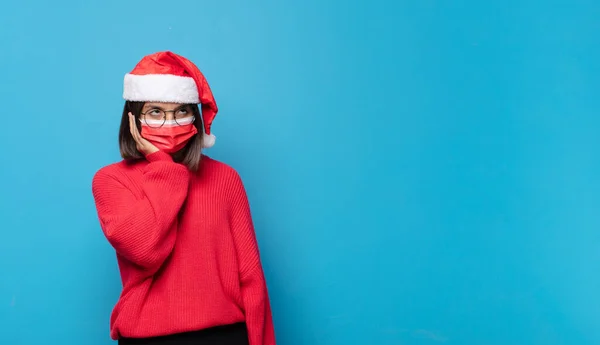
[(190, 155)]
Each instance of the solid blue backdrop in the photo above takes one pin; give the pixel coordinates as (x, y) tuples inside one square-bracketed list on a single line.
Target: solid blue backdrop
[(420, 172)]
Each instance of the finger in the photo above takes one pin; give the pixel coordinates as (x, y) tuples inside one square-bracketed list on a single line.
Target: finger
[(141, 142), (131, 125), (138, 137), (133, 128)]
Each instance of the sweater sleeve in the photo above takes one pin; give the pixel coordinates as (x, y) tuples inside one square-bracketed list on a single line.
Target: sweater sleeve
[(255, 297), (141, 226)]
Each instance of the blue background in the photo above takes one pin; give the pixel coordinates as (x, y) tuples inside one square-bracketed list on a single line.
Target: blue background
[(420, 172)]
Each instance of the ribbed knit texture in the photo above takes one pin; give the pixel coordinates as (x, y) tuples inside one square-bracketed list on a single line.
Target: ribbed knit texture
[(185, 246)]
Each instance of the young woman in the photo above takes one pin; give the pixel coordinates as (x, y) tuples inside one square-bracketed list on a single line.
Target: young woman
[(178, 220)]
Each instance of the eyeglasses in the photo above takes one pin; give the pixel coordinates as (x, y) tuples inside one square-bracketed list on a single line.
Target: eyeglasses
[(157, 117)]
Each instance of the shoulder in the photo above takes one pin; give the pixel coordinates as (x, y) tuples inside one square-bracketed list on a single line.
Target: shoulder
[(113, 169), (224, 171), (222, 176), (112, 173)]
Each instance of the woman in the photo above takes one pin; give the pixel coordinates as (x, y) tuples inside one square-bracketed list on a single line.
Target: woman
[(179, 221)]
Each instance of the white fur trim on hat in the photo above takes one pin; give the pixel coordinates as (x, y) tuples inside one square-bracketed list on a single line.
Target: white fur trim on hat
[(208, 141), (164, 88)]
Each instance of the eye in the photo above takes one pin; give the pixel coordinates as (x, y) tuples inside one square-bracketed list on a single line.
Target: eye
[(154, 112), (183, 112)]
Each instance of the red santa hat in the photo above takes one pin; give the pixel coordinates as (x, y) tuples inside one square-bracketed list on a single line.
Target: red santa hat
[(171, 78)]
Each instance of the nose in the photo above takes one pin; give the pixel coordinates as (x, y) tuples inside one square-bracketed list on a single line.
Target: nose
[(170, 114)]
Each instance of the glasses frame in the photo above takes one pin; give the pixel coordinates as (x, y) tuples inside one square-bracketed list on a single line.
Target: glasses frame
[(164, 117)]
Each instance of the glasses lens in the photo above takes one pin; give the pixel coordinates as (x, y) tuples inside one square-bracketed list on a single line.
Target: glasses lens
[(184, 120), (152, 121), (154, 117)]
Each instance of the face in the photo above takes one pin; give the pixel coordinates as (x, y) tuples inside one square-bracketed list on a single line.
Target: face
[(158, 114), (168, 126)]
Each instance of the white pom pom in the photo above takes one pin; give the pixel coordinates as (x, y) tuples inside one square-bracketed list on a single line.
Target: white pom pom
[(208, 140)]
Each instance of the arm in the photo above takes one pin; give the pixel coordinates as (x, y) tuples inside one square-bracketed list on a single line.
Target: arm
[(252, 281), (142, 230)]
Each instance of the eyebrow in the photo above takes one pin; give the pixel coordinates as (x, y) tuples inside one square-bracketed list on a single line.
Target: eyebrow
[(154, 106)]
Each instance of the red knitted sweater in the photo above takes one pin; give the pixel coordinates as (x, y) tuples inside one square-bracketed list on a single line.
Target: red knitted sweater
[(185, 246)]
